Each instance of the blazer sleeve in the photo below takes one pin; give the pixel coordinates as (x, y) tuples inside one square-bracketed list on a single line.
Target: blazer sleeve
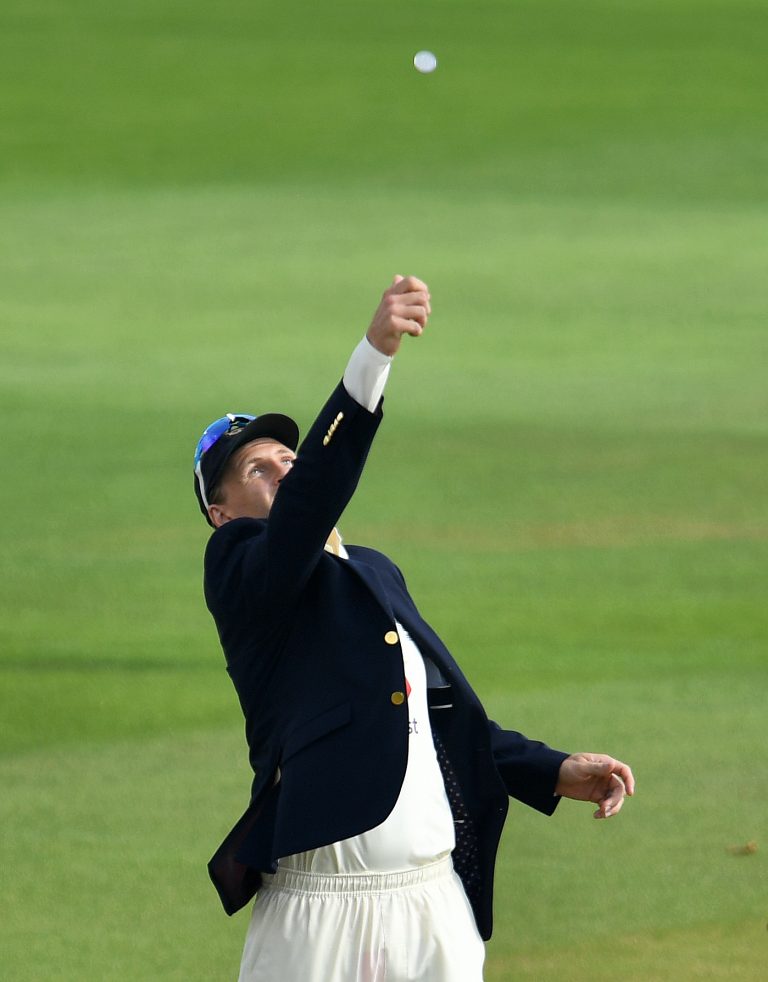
[(528, 768), (267, 563)]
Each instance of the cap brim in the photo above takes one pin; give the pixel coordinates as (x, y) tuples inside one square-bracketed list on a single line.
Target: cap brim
[(273, 426)]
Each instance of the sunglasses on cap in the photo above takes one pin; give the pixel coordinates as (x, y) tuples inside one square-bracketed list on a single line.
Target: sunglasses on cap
[(227, 425)]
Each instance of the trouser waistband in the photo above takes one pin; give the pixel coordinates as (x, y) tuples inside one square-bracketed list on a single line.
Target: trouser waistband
[(356, 883)]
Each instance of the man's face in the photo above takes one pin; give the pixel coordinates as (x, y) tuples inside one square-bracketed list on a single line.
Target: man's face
[(251, 480)]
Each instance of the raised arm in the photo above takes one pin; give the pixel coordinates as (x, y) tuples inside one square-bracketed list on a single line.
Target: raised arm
[(269, 561)]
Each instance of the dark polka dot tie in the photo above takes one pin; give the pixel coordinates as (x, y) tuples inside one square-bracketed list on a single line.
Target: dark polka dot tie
[(466, 856)]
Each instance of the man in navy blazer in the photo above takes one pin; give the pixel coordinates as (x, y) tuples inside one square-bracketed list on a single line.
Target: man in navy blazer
[(315, 637)]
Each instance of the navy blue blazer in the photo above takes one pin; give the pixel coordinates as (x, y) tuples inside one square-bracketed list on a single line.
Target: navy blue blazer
[(309, 647)]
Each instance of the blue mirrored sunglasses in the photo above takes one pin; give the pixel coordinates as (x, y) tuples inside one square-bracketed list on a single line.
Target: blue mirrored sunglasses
[(213, 433)]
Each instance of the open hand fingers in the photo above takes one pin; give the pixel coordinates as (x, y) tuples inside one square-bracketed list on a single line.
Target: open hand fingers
[(624, 771), (597, 778), (611, 802)]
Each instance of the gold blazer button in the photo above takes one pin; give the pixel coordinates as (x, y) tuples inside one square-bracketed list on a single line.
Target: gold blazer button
[(398, 698), (391, 637)]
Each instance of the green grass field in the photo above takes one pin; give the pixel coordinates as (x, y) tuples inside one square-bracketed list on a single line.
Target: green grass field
[(199, 206)]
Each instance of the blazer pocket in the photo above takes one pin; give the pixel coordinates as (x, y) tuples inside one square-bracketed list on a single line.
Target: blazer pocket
[(319, 726)]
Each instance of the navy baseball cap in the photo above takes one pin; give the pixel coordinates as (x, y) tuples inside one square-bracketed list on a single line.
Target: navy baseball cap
[(226, 435)]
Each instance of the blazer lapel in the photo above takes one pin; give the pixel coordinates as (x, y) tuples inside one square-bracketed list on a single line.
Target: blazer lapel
[(371, 579)]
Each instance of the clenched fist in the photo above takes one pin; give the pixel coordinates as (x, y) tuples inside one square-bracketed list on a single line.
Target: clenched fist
[(404, 309)]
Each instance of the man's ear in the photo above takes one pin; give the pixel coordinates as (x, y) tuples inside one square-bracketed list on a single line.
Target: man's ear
[(218, 516)]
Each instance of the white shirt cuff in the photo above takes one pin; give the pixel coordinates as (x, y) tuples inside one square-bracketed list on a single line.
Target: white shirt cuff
[(366, 375)]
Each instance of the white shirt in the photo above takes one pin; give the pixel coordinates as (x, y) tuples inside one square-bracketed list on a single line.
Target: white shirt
[(420, 828), (366, 374)]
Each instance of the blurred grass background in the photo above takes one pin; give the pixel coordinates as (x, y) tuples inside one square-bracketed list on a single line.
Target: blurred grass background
[(199, 206)]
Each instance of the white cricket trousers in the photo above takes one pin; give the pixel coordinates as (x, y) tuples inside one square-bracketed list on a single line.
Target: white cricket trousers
[(377, 927)]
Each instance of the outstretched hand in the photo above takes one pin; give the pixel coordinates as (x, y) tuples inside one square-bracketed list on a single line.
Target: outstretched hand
[(404, 309), (598, 778)]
